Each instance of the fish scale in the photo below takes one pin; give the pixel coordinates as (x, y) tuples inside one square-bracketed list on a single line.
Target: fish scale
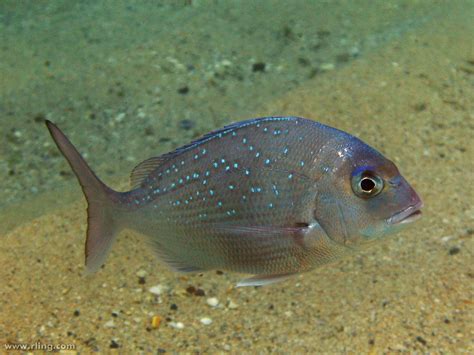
[(221, 184), (271, 197)]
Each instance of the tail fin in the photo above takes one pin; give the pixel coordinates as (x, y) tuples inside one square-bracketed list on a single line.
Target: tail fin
[(102, 221)]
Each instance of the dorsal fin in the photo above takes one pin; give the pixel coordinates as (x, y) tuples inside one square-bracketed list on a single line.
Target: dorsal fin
[(143, 170)]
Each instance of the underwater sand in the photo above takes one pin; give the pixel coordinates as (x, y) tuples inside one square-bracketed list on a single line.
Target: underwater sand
[(412, 98)]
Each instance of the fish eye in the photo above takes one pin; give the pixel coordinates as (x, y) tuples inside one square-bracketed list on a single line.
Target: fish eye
[(366, 183)]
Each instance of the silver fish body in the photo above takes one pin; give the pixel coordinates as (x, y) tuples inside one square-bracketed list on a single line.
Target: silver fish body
[(271, 197)]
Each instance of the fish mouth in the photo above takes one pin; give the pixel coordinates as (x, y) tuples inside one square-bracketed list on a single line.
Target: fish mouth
[(408, 215)]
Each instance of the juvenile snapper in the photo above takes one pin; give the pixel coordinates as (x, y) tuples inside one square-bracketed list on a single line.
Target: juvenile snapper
[(270, 197)]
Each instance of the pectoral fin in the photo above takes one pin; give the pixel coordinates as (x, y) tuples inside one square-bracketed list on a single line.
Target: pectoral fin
[(262, 280)]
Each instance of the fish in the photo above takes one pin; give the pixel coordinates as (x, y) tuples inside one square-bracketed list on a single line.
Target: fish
[(269, 197)]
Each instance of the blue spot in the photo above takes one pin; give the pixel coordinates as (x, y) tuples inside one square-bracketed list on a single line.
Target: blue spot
[(195, 175), (302, 163), (222, 160), (227, 168), (231, 187), (182, 162), (251, 147), (204, 182), (187, 178), (196, 157), (285, 151), (259, 189), (265, 129), (275, 190), (215, 165), (157, 191), (290, 176), (244, 140), (244, 197), (247, 172), (257, 155), (173, 185), (207, 173), (234, 134), (270, 205), (186, 201), (267, 161), (167, 171), (204, 151), (236, 165), (276, 132), (180, 181), (211, 192), (219, 203)]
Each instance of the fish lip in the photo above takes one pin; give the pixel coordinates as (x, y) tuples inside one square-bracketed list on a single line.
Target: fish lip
[(408, 215)]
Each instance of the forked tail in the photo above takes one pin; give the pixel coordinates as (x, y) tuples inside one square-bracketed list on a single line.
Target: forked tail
[(103, 222)]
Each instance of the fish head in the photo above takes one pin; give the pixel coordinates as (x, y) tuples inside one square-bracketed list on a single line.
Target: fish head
[(362, 196)]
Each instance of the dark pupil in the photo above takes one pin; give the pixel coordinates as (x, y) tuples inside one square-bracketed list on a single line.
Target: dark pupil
[(367, 184)]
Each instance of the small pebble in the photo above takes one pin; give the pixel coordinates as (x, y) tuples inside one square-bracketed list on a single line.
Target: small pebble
[(120, 117), (183, 90), (141, 273), (454, 250), (327, 66), (156, 290), (186, 124), (114, 344), (421, 340), (176, 325), (213, 302), (110, 324), (258, 67), (446, 238), (232, 305), (155, 321), (199, 292), (206, 321)]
